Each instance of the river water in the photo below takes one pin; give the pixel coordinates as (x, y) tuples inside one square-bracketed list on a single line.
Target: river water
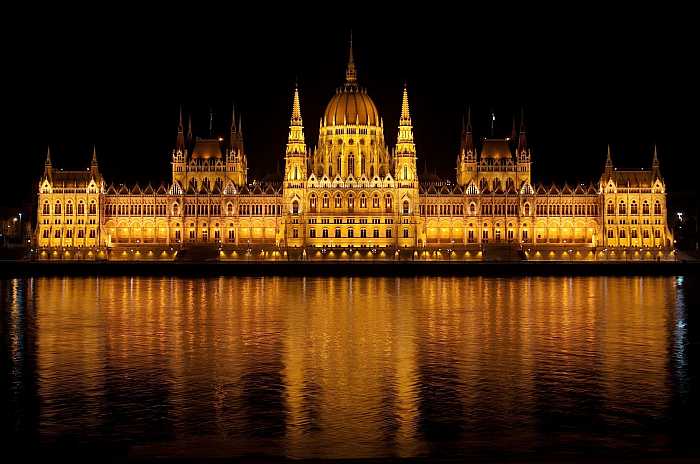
[(351, 367)]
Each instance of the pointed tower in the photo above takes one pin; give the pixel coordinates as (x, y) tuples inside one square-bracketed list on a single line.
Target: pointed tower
[(608, 163), (351, 72), (48, 169), (405, 153), (523, 153), (655, 171), (295, 155), (236, 159), (294, 185), (466, 159), (180, 151), (94, 167), (180, 144)]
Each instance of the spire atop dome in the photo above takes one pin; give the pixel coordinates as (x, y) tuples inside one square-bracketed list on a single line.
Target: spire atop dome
[(351, 72)]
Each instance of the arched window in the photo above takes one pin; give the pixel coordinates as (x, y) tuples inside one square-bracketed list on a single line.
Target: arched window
[(657, 208), (229, 209), (93, 207), (622, 209), (496, 184), (351, 165), (295, 207), (351, 201), (362, 165), (387, 203), (483, 184), (46, 209), (405, 207), (338, 200), (312, 203), (472, 208), (57, 208), (645, 208), (81, 208), (509, 184), (405, 173), (363, 201), (325, 200), (176, 209), (339, 162), (611, 207), (633, 208), (69, 207), (375, 201), (527, 209)]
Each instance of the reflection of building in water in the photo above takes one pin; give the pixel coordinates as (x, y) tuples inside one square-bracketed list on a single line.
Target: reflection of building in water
[(352, 197), (308, 364)]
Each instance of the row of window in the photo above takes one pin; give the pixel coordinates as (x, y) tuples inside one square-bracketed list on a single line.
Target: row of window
[(565, 210), (442, 210), (622, 208), (46, 209), (69, 233), (633, 233), (350, 233), (135, 210), (338, 201)]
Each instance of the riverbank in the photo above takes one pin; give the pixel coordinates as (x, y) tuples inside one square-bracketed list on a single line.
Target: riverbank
[(322, 268)]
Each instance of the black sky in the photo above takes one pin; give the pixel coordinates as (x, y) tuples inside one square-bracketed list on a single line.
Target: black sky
[(585, 77)]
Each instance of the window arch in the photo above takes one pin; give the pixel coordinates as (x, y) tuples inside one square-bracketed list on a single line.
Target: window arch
[(351, 201), (388, 202), (295, 207), (363, 200), (339, 162), (405, 207), (527, 209), (622, 208), (472, 208), (633, 208), (81, 207), (338, 200), (483, 184), (325, 200), (312, 203), (496, 184), (657, 207), (46, 209), (229, 208), (57, 208), (645, 208), (93, 207), (611, 207), (69, 207), (375, 201), (351, 165), (176, 209)]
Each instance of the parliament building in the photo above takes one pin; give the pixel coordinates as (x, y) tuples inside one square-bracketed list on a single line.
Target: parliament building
[(352, 197)]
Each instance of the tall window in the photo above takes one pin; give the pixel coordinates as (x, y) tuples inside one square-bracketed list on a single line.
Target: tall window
[(622, 209), (46, 208), (645, 208), (340, 165), (338, 200), (405, 173), (657, 208), (295, 207), (93, 208), (633, 208), (312, 203), (363, 201), (325, 200), (387, 203), (405, 207), (611, 208), (81, 208), (57, 208), (69, 208), (351, 165), (351, 202)]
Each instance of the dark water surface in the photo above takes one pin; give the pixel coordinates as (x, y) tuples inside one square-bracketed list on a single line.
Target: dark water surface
[(351, 367)]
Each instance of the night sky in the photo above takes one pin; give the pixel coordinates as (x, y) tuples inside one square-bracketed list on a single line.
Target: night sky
[(584, 78)]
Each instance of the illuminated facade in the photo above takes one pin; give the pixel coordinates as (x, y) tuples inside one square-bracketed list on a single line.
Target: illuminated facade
[(352, 197)]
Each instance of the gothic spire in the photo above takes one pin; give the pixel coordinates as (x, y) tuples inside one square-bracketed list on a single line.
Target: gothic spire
[(522, 140), (351, 72), (189, 129), (655, 161), (405, 114), (467, 137), (180, 133), (295, 141), (94, 155), (296, 109), (48, 156), (608, 161)]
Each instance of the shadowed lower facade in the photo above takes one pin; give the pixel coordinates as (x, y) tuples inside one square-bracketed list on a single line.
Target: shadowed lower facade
[(352, 197)]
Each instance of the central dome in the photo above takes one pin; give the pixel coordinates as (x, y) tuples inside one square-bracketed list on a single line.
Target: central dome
[(351, 105)]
